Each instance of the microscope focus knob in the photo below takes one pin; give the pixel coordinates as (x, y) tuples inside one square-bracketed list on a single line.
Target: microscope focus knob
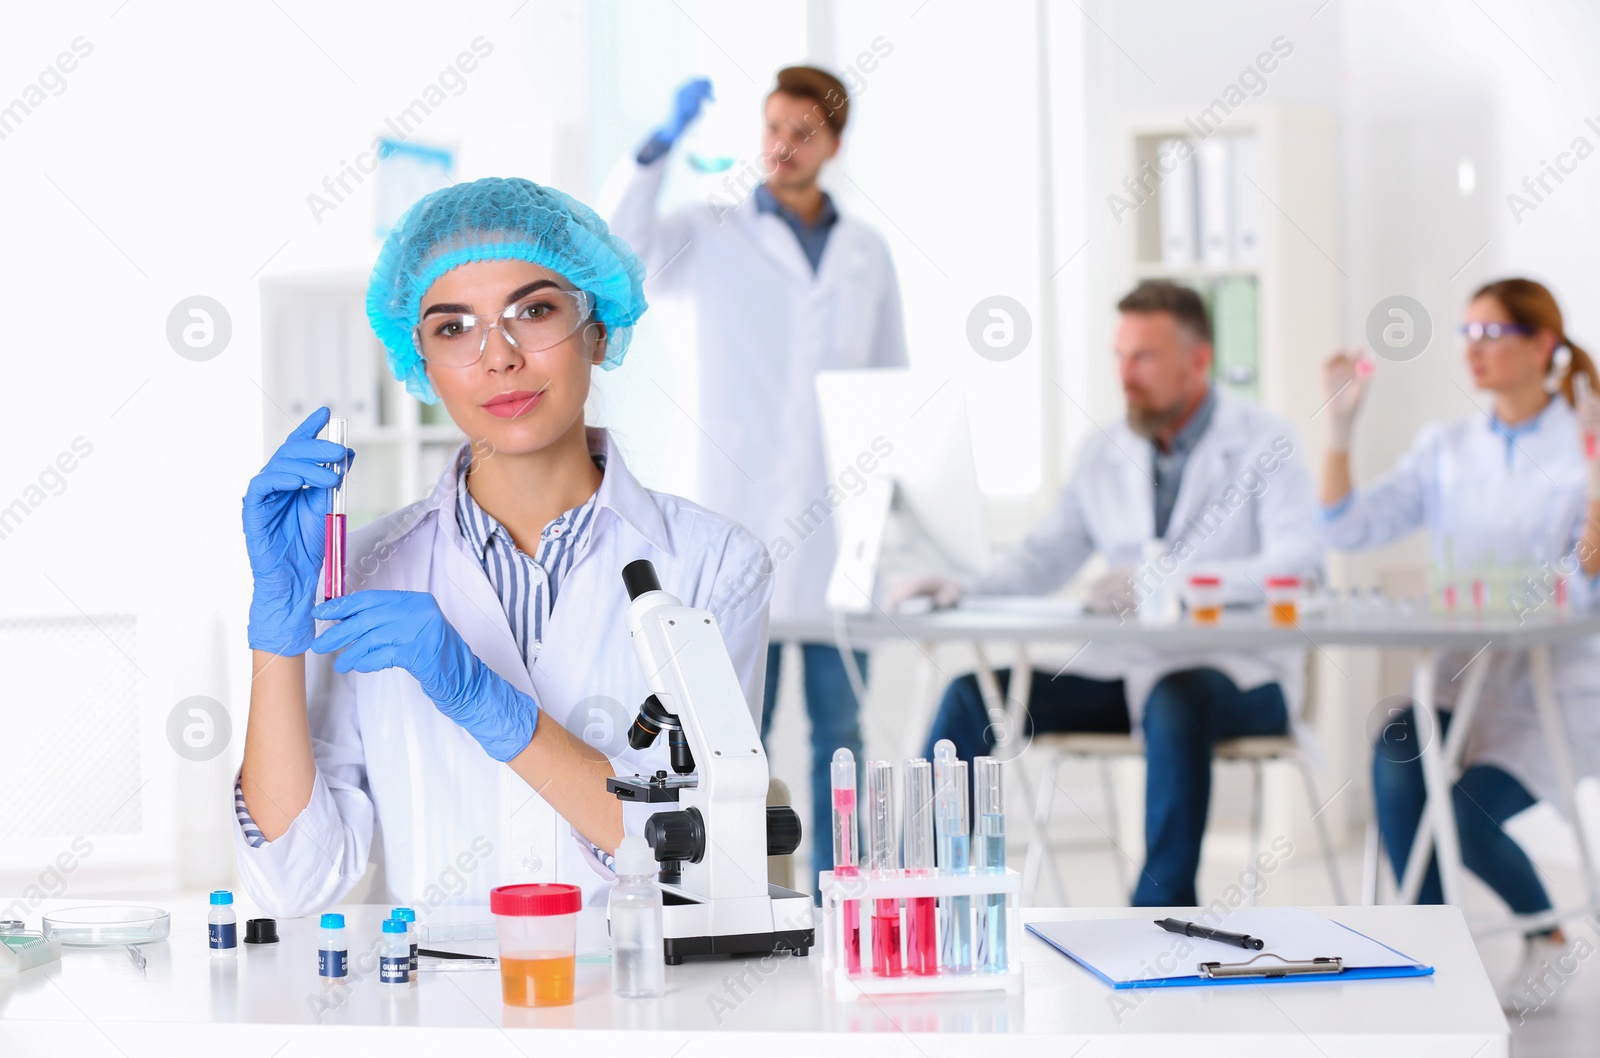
[(677, 835), (783, 830)]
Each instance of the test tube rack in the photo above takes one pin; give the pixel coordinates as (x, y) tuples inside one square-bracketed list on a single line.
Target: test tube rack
[(901, 885)]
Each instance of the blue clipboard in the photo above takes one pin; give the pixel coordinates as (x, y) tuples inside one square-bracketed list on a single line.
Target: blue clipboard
[(1302, 947)]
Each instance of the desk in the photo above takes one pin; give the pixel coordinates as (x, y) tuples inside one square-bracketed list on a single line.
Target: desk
[(1430, 635), (265, 1001)]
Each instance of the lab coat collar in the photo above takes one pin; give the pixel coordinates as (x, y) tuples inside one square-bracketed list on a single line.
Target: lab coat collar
[(1511, 433), (840, 260), (1226, 429), (620, 493), (767, 202)]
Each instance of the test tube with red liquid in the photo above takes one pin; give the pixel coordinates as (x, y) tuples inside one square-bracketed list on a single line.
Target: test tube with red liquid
[(333, 528), (881, 844), (1580, 394), (922, 912), (845, 850)]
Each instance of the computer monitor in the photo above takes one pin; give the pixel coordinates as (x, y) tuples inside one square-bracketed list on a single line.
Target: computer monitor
[(900, 439)]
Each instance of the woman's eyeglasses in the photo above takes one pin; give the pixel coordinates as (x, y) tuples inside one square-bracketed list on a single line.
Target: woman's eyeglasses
[(1480, 332), (531, 324)]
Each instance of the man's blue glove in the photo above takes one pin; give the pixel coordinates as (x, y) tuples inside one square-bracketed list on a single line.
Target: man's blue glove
[(685, 108), (692, 95), (284, 510), (405, 629)]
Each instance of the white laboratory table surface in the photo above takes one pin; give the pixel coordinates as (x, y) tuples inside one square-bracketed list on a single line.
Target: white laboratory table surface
[(267, 1001)]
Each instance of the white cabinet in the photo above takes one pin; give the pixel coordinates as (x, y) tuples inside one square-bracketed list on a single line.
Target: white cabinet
[(1265, 237)]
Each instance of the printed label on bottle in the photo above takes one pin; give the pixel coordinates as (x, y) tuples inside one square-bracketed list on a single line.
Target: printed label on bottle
[(413, 959), (395, 969), (333, 963), (224, 935)]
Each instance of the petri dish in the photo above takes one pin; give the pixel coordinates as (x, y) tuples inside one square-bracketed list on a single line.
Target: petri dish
[(112, 925), (433, 932)]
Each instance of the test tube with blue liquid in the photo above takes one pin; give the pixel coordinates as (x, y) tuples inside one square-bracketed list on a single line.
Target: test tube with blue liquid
[(955, 855), (989, 780)]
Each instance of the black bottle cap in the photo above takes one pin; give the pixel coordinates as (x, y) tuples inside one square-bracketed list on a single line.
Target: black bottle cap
[(261, 931)]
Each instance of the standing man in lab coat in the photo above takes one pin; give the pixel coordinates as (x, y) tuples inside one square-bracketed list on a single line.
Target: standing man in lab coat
[(1195, 481), (780, 285)]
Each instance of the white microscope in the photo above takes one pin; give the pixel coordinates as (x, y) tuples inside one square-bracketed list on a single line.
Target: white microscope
[(713, 846)]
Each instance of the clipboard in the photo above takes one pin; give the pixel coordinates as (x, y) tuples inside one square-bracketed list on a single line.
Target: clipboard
[(1302, 946)]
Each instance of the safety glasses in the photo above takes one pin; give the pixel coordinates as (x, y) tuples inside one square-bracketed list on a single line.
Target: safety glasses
[(1480, 332), (539, 321)]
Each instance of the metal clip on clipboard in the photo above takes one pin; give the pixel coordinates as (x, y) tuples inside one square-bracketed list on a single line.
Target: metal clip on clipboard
[(1281, 968)]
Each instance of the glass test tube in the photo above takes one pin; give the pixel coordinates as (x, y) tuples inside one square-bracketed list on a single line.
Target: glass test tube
[(1580, 394), (922, 935), (989, 780), (881, 860), (954, 850), (333, 529), (845, 851)]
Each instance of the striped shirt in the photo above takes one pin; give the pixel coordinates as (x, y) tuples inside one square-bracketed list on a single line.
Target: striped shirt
[(526, 585)]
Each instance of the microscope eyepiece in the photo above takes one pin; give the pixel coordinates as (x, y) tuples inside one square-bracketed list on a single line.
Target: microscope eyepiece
[(639, 576)]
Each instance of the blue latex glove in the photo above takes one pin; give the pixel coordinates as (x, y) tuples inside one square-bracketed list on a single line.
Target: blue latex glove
[(284, 510), (692, 95), (405, 629)]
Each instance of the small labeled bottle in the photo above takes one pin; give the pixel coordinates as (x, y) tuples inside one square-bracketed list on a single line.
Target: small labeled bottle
[(394, 955), (222, 924), (638, 969), (333, 951), (409, 917)]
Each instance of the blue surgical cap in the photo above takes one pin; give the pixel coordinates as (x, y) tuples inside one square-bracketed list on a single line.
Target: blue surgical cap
[(499, 219)]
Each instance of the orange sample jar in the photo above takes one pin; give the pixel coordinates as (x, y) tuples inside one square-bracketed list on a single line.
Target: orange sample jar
[(537, 926), (1205, 598), (1283, 600)]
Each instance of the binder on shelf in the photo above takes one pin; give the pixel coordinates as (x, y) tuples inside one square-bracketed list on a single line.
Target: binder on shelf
[(1245, 179), (1216, 201), (1236, 321), (1302, 946), (1178, 206)]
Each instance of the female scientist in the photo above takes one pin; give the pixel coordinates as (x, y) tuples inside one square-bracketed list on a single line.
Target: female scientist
[(1513, 486), (453, 723)]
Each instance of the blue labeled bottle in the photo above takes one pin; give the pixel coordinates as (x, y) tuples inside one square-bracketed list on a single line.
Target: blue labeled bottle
[(394, 956), (222, 924), (409, 917), (333, 952)]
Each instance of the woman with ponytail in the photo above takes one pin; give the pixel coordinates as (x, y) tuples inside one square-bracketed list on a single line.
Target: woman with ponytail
[(1521, 486)]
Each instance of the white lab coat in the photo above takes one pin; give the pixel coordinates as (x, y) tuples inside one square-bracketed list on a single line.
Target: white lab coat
[(1245, 508), (763, 326), (400, 783), (1521, 503)]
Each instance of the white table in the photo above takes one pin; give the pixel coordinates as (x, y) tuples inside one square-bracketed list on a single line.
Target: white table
[(263, 1002), (1430, 635)]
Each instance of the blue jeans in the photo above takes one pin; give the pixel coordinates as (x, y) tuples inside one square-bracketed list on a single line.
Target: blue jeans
[(1484, 798), (1186, 714), (835, 721)]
